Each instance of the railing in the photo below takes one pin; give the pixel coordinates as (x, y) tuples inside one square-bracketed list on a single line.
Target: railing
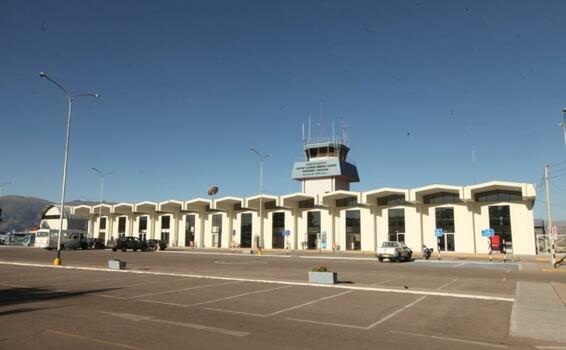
[(325, 139)]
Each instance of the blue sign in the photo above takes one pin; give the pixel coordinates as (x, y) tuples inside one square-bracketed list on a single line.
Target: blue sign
[(438, 232), (488, 232)]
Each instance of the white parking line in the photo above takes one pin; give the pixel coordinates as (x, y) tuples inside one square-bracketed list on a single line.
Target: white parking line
[(237, 296), (310, 302), (97, 281), (343, 325), (233, 254), (93, 340), (138, 318), (446, 284), (278, 311), (181, 289), (161, 302), (388, 280), (365, 328), (337, 286), (458, 340), (336, 258), (14, 285), (395, 313)]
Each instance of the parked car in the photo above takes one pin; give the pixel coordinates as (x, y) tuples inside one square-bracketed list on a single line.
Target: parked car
[(125, 243), (394, 251), (96, 243), (3, 238), (152, 244)]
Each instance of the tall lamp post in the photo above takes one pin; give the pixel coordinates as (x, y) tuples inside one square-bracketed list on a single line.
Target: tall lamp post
[(2, 187), (562, 124), (70, 100), (102, 176), (261, 159)]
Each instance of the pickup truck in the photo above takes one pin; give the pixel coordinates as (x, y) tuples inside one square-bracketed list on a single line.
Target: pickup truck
[(394, 251)]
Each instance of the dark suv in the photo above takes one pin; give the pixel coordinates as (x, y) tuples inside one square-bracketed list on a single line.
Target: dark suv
[(125, 243)]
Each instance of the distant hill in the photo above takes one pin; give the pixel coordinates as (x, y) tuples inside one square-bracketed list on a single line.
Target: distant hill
[(23, 213)]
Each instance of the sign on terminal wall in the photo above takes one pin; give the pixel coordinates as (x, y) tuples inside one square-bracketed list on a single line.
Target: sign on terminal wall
[(318, 168)]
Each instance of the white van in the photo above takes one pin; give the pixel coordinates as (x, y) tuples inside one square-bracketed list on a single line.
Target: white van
[(72, 239)]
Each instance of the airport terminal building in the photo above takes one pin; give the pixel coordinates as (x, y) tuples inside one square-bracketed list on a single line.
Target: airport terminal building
[(327, 216)]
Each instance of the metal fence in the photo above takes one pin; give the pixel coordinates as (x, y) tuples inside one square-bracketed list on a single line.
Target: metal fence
[(543, 244)]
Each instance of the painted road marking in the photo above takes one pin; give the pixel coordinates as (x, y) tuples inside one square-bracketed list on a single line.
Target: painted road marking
[(138, 318), (458, 340), (233, 254), (97, 281), (365, 328), (94, 340), (388, 280), (181, 289), (278, 311), (237, 296), (447, 284), (13, 285), (291, 283), (310, 303), (275, 255), (395, 313)]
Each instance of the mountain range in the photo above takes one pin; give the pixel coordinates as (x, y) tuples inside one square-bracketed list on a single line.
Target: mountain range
[(21, 213)]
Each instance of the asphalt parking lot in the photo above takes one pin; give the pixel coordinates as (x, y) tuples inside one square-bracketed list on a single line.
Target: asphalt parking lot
[(168, 300)]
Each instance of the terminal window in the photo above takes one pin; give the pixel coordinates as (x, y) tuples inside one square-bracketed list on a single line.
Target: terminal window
[(165, 222), (142, 224), (441, 198), (396, 223), (122, 225)]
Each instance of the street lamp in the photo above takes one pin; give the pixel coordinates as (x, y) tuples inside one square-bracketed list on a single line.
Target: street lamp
[(70, 100), (4, 185), (102, 176), (261, 159), (563, 125)]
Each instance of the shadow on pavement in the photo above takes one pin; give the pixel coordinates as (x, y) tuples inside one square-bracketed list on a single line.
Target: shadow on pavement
[(13, 296), (19, 311)]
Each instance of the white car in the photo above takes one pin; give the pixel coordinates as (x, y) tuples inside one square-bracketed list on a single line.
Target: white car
[(394, 251)]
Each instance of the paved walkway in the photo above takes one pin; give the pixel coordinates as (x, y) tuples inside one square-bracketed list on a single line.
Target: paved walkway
[(538, 313)]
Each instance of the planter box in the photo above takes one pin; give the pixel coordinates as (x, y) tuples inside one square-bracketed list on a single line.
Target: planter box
[(116, 264), (323, 277)]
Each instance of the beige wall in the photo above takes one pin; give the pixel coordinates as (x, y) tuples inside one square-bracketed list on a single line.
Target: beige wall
[(470, 219)]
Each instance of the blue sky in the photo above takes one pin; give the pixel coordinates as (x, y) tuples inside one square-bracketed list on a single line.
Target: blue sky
[(187, 87)]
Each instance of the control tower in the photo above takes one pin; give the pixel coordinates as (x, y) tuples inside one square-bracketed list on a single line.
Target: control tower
[(325, 168)]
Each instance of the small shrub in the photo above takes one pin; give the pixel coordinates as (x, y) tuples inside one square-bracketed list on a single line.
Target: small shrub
[(319, 269)]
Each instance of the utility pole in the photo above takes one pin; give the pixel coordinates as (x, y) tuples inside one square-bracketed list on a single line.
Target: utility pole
[(549, 215), (261, 157)]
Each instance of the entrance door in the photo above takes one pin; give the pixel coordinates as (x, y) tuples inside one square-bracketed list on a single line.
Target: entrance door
[(311, 241), (217, 230), (446, 242), (246, 230), (500, 222), (189, 230), (278, 226), (165, 236)]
